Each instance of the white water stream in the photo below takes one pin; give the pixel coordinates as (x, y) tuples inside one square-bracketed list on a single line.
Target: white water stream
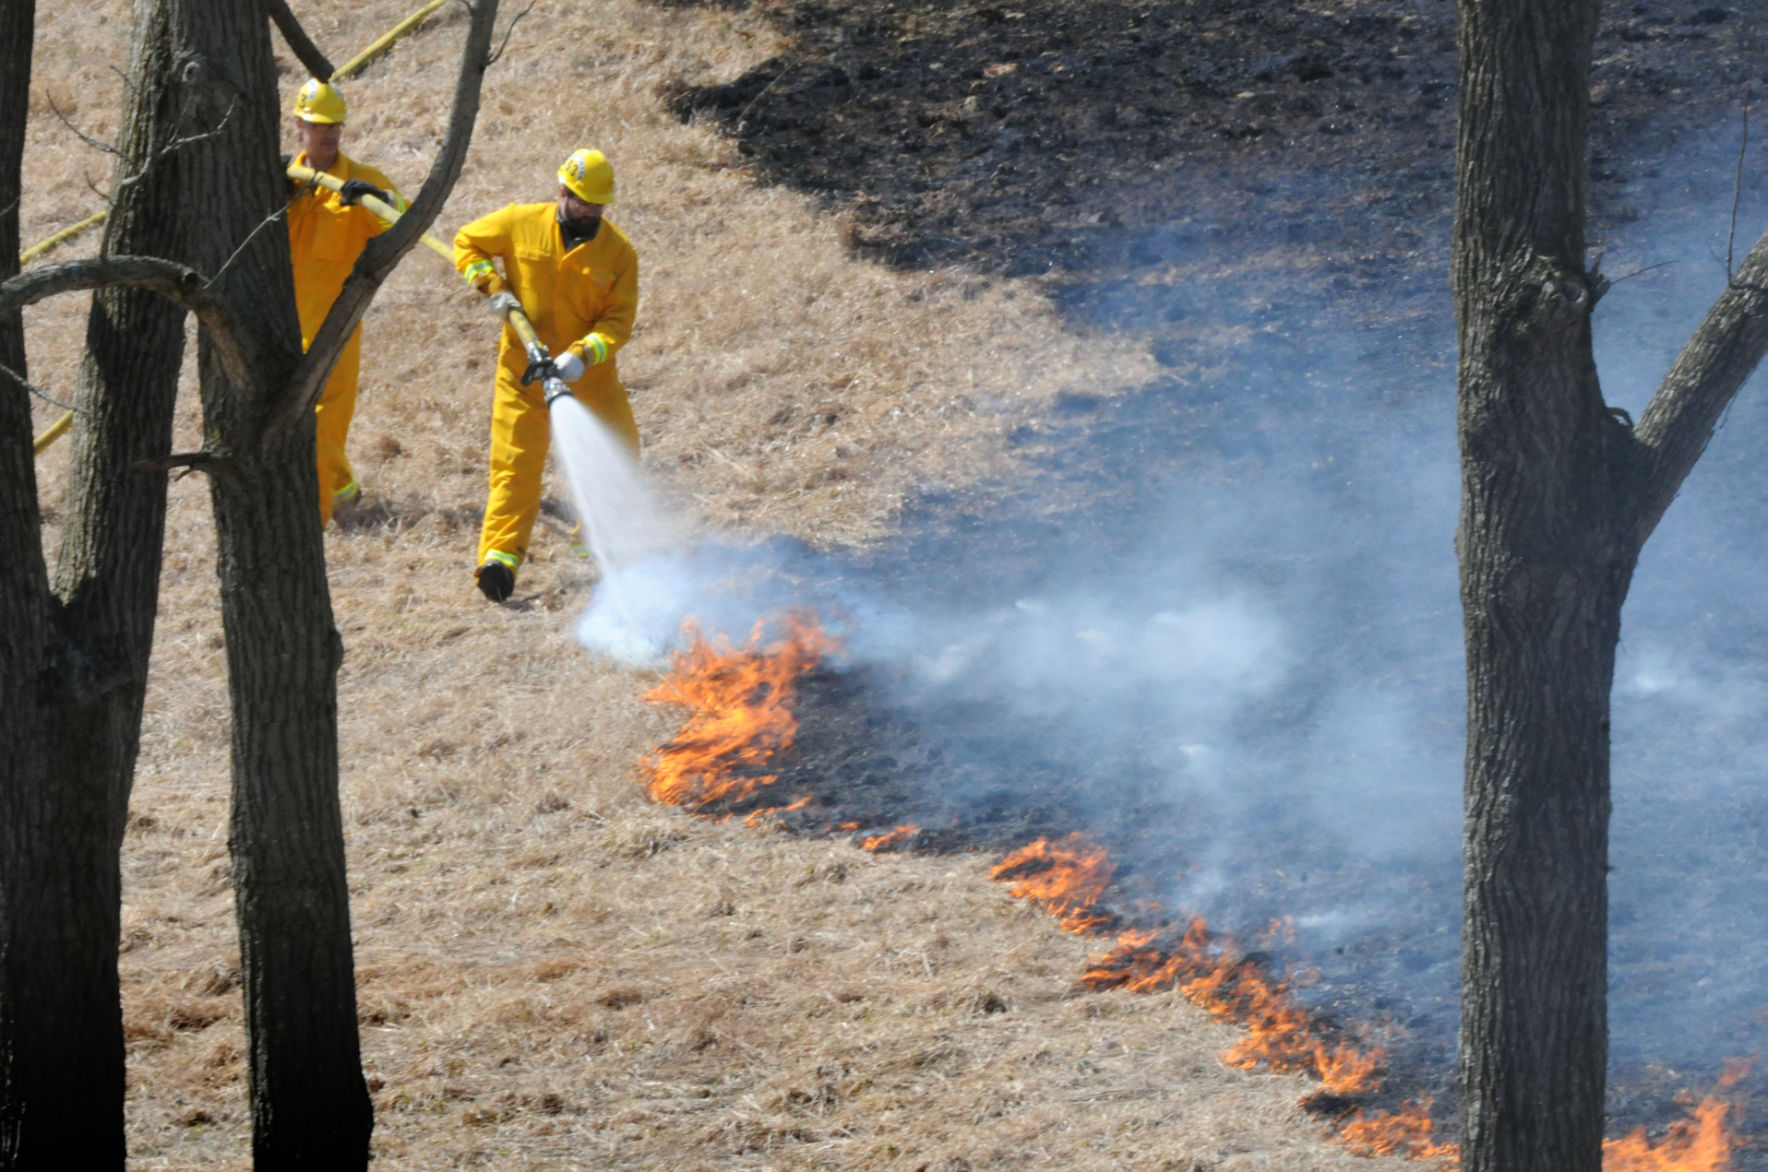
[(624, 523)]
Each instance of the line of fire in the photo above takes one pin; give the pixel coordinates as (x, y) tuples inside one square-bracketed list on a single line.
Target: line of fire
[(733, 758)]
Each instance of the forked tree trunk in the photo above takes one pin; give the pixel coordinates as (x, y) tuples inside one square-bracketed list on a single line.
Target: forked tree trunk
[(1558, 496), (25, 610), (310, 1106), (203, 189), (1544, 570), (73, 759)]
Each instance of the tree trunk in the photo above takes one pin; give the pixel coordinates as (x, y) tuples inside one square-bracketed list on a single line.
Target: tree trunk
[(25, 608), (202, 120), (69, 803), (310, 1106), (1546, 557)]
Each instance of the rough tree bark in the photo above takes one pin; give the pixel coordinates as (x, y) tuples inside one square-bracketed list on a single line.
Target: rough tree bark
[(71, 757), (1559, 494), (24, 591), (203, 118), (310, 1106)]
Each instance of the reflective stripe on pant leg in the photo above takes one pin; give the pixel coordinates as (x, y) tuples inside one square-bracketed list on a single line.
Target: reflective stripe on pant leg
[(520, 433), (337, 405)]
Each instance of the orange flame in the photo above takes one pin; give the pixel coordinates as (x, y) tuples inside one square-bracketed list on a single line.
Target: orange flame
[(890, 838), (1067, 879), (1281, 1034), (740, 702), (1700, 1144), (757, 817), (1405, 1132)]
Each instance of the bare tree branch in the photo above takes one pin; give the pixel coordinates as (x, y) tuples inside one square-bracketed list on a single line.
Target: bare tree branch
[(177, 282), (306, 52), (507, 34), (1743, 148), (95, 144), (279, 216), (385, 251), (1681, 417), (170, 146), (24, 384), (189, 461), (177, 144)]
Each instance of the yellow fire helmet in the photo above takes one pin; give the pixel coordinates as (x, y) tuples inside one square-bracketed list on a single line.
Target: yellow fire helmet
[(589, 176), (320, 101)]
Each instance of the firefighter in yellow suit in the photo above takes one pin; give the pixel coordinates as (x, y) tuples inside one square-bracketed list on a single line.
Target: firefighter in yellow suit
[(575, 276), (327, 232)]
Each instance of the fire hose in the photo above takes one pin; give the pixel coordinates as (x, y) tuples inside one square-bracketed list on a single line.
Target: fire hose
[(538, 358), (387, 212), (349, 69)]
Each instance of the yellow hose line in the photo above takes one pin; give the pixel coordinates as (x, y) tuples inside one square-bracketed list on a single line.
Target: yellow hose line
[(387, 212), (52, 433), (517, 319), (524, 330), (351, 67), (55, 430), (68, 233)]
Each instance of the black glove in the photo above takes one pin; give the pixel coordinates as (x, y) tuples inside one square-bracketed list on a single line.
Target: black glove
[(355, 189), (286, 160), (540, 368)]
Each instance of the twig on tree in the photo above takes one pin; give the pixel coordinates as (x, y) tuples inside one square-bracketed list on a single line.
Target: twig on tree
[(1743, 148), (507, 33), (1641, 272), (95, 144), (188, 461), (25, 384), (280, 215), (304, 49), (743, 114), (177, 144)]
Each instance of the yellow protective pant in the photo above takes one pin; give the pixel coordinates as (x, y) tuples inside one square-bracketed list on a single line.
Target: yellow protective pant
[(521, 432), (337, 405)]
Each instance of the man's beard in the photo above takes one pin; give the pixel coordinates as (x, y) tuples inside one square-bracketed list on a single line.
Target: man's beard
[(580, 226)]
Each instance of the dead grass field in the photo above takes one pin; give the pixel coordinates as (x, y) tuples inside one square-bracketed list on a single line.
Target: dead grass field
[(555, 973)]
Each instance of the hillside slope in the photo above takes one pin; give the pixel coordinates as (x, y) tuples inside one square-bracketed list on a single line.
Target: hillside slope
[(554, 972)]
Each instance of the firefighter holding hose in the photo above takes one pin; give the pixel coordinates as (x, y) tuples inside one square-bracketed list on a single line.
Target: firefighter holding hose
[(327, 232), (575, 276)]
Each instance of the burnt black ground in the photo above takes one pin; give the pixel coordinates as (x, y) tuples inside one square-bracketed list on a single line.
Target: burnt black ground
[(1095, 141), (1262, 193)]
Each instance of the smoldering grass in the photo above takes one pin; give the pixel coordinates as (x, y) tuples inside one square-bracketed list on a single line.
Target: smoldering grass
[(540, 981)]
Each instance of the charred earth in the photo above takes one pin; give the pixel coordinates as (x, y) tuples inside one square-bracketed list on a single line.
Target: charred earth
[(1262, 193)]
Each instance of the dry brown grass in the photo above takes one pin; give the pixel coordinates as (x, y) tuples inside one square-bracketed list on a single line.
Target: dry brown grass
[(553, 972)]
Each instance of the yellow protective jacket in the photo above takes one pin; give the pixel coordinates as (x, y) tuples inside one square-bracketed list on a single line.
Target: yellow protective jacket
[(582, 299), (326, 237)]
